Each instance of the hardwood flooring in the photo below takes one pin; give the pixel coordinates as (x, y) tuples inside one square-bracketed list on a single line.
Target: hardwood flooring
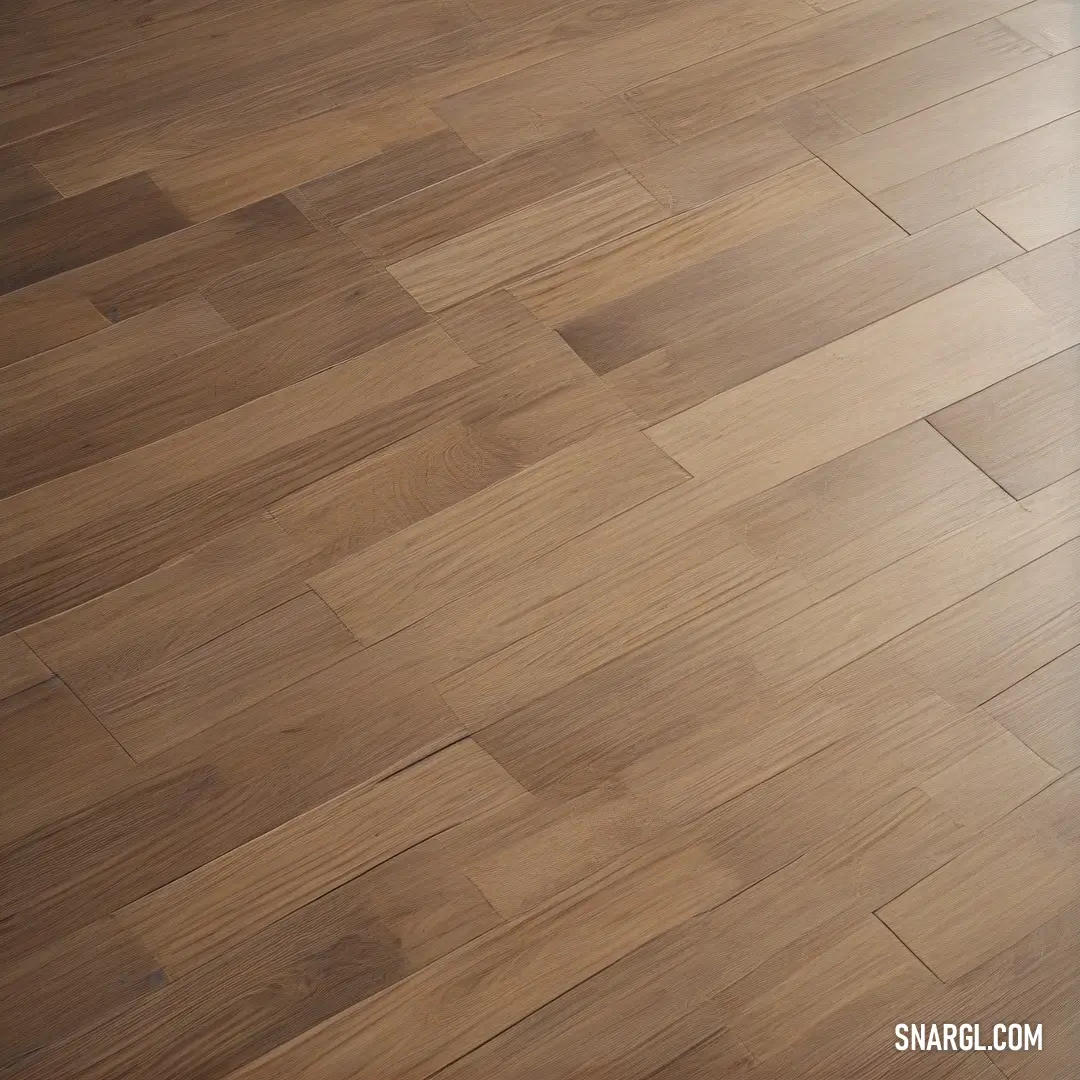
[(538, 540)]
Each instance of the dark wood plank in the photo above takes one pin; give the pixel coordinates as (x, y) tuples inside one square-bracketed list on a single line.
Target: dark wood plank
[(67, 760), (71, 984), (426, 218), (20, 667), (173, 266), (82, 229), (392, 175), (79, 536), (336, 951), (210, 794), (170, 393), (22, 187)]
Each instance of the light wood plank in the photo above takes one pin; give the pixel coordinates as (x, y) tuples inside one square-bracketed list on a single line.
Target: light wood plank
[(1043, 708), (735, 84), (973, 651), (960, 127), (222, 456), (1050, 24), (479, 196), (848, 393), (1040, 213), (573, 288), (456, 549), (510, 111), (1017, 877), (1022, 431), (866, 615), (993, 173), (926, 76), (515, 246)]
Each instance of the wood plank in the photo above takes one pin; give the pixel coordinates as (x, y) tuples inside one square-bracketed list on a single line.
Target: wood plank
[(1023, 430), (301, 274), (1040, 213), (844, 395), (978, 648), (184, 605), (152, 274), (569, 290), (61, 399), (699, 300), (84, 228), (20, 667), (857, 514), (811, 121), (1049, 275), (718, 162), (480, 196), (338, 950), (223, 178), (571, 939), (994, 779), (191, 920), (605, 1026), (980, 178), (1042, 708), (775, 321), (42, 317), (928, 75), (123, 519), (67, 760), (1050, 24), (175, 700), (1015, 878), (735, 84), (72, 984), (210, 794), (609, 617), (456, 549), (964, 125), (22, 187), (508, 112), (871, 612), (392, 175), (799, 990), (441, 466), (520, 244)]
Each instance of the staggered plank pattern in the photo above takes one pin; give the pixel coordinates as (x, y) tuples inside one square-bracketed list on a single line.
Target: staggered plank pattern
[(538, 540)]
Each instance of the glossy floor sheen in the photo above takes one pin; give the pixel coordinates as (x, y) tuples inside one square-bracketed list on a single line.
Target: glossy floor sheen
[(538, 539)]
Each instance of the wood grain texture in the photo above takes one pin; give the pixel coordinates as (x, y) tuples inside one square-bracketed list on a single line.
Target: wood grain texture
[(23, 187), (537, 540), (1022, 431), (20, 667), (479, 196), (221, 457), (928, 75), (84, 228), (486, 257), (455, 548), (738, 83), (392, 175), (1041, 710)]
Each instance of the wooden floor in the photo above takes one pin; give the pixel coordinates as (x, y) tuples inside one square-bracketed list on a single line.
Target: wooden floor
[(538, 539)]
